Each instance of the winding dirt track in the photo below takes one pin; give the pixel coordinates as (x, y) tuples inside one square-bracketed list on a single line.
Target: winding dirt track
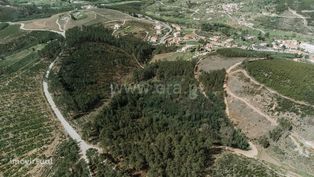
[(22, 27), (253, 152), (230, 93), (271, 90), (299, 16), (294, 135)]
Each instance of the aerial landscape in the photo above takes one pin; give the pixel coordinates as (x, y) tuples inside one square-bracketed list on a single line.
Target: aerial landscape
[(156, 88)]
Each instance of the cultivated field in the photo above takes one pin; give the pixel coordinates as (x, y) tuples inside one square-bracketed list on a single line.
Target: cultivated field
[(27, 128), (9, 33), (37, 2)]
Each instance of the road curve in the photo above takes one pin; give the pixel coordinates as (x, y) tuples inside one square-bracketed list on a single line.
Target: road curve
[(84, 146)]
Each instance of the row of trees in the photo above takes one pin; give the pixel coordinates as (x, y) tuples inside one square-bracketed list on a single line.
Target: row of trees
[(238, 52)]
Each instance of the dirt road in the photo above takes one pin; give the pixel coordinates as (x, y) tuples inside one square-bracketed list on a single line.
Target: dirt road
[(300, 16), (295, 137), (253, 152), (22, 27), (84, 146), (271, 90)]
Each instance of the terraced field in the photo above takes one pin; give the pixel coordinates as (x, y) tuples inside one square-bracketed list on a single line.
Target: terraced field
[(10, 32), (27, 129)]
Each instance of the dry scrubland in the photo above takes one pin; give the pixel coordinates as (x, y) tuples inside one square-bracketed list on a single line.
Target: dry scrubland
[(289, 141), (281, 127)]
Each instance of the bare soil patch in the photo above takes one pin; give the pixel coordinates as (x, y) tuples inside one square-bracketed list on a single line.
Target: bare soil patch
[(217, 62)]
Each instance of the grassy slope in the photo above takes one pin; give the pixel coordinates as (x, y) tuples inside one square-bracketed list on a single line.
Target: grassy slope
[(287, 77)]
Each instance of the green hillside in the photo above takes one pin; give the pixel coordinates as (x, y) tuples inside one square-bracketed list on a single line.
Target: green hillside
[(292, 79), (91, 62)]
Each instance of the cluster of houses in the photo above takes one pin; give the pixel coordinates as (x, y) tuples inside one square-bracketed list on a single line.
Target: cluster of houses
[(289, 46), (175, 38), (178, 37), (218, 42), (230, 8)]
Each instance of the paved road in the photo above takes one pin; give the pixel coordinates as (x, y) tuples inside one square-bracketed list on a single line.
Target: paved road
[(163, 39)]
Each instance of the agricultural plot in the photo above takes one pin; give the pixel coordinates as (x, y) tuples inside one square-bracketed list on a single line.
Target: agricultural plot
[(9, 33), (27, 130), (43, 24), (172, 56), (136, 28), (285, 24)]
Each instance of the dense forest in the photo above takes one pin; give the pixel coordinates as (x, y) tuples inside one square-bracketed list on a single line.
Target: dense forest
[(139, 49), (103, 165), (213, 81), (92, 60), (52, 49), (165, 126)]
